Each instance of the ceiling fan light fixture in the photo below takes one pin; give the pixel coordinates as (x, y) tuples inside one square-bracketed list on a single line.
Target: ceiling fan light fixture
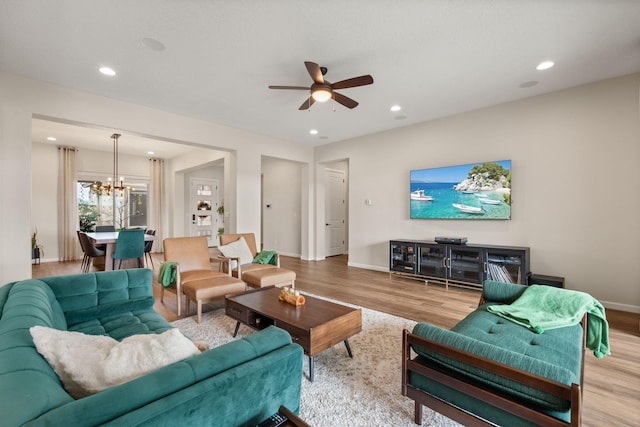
[(321, 94)]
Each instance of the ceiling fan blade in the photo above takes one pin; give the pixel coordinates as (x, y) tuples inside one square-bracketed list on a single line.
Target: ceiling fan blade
[(314, 72), (307, 104), (345, 100), (353, 82), (290, 87)]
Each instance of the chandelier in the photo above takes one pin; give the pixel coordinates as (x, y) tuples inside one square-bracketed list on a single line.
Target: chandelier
[(111, 185)]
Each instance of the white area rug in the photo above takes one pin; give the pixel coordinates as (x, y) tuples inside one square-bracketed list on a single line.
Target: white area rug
[(363, 391)]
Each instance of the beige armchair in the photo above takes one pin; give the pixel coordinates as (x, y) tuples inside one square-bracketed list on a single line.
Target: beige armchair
[(194, 276), (241, 268)]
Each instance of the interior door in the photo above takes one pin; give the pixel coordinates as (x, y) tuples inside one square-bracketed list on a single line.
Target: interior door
[(334, 213), (203, 209)]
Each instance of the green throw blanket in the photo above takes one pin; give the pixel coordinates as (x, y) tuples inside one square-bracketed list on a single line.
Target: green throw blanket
[(167, 274), (266, 257), (544, 307)]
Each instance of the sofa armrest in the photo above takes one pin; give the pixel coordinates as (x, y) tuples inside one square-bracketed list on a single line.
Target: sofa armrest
[(179, 390), (501, 292)]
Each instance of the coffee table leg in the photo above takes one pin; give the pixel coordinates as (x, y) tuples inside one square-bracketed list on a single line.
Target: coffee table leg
[(235, 331), (311, 363), (346, 344)]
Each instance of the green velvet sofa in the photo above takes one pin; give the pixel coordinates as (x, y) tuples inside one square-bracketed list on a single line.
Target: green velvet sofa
[(236, 384), (488, 370)]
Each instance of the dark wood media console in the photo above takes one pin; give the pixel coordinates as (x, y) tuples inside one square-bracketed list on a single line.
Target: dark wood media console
[(467, 265)]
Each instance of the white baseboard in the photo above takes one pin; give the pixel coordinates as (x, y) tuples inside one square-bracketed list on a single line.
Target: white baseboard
[(368, 267), (621, 307), (43, 260)]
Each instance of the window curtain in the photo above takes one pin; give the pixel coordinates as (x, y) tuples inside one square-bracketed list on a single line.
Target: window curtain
[(156, 190), (68, 220)]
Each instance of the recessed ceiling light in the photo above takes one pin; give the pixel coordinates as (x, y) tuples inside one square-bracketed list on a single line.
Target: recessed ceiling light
[(313, 131), (107, 71), (153, 44), (51, 138), (396, 108), (150, 152), (545, 65)]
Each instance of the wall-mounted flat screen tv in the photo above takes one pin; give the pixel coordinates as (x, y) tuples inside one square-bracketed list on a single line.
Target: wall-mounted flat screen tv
[(473, 191)]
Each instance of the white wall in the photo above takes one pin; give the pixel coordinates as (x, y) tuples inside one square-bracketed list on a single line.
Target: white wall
[(44, 195), (281, 206), (575, 157), (23, 98), (15, 194)]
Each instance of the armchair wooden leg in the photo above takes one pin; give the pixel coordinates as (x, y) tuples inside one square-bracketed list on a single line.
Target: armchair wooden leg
[(178, 302), (418, 413), (199, 310)]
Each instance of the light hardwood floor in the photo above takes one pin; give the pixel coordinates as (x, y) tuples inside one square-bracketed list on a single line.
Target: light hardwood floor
[(612, 384)]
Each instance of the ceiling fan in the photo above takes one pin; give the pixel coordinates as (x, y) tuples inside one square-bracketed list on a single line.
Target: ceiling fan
[(322, 90)]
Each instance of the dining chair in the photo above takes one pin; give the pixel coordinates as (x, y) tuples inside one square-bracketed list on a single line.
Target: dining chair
[(90, 251), (147, 247), (130, 245), (104, 229)]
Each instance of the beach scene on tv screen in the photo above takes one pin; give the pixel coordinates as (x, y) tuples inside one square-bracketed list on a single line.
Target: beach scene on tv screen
[(473, 191)]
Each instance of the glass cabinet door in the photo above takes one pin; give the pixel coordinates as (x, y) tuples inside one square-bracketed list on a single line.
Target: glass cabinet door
[(465, 264), (403, 257), (432, 260), (504, 266)]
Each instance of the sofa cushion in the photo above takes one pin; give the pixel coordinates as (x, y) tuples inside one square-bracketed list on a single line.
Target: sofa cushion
[(120, 326), (94, 295), (87, 364)]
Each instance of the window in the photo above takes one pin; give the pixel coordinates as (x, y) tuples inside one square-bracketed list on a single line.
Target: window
[(122, 211)]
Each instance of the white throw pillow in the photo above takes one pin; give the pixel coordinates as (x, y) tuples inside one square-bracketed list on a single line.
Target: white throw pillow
[(237, 249), (87, 364)]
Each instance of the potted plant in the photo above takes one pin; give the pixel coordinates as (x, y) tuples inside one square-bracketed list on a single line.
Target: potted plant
[(36, 250)]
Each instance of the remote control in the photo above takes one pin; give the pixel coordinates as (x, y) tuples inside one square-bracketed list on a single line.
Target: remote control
[(274, 420)]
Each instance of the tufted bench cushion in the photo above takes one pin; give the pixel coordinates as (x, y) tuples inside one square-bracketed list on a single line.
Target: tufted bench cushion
[(269, 277)]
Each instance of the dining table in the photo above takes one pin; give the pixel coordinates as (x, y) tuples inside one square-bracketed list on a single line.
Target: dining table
[(109, 238)]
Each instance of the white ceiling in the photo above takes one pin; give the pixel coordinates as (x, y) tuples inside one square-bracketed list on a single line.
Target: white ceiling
[(434, 58), (98, 138)]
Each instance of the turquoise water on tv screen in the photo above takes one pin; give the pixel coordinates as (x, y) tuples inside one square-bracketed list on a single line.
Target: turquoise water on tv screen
[(444, 196)]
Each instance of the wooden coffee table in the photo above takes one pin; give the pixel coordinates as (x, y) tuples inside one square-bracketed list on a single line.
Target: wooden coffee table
[(315, 326)]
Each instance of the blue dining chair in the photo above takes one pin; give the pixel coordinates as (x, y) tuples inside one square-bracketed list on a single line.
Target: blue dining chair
[(130, 244)]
